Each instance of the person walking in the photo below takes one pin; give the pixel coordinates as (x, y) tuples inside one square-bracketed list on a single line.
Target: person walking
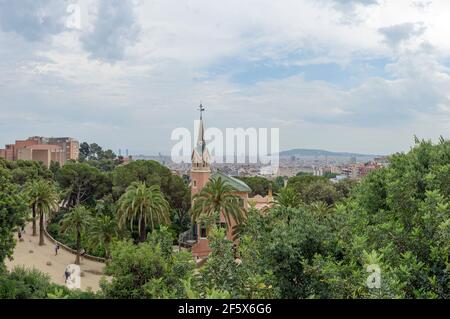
[(66, 275), (82, 253), (56, 248)]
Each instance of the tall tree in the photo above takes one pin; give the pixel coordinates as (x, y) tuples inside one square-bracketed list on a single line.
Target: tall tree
[(312, 189), (259, 185), (25, 171), (13, 210), (288, 198), (46, 201), (84, 151), (76, 220), (82, 183), (31, 189), (144, 204), (145, 270), (96, 151), (218, 197), (151, 173), (102, 231)]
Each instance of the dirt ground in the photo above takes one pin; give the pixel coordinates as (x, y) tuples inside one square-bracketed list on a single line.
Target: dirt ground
[(28, 253)]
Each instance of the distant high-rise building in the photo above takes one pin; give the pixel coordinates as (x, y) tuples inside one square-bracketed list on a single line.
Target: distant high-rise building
[(45, 153), (70, 146)]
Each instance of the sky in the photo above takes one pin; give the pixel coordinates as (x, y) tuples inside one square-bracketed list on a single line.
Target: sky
[(342, 75)]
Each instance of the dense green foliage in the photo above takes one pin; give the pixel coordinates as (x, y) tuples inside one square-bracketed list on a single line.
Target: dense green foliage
[(175, 189), (77, 221), (260, 185), (21, 283), (320, 240), (397, 218), (147, 270), (218, 197), (94, 152), (312, 189), (142, 205), (25, 171), (45, 200), (82, 184), (13, 210)]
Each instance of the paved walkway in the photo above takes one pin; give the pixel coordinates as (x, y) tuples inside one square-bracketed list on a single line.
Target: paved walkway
[(28, 253)]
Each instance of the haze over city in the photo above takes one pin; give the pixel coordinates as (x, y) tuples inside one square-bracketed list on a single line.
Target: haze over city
[(359, 76), (229, 158)]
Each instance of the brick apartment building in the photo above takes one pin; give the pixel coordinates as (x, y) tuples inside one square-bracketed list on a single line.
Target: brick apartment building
[(43, 149)]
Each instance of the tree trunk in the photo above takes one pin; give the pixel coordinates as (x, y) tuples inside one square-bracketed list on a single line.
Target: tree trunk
[(34, 219), (77, 259), (41, 229), (78, 197), (106, 244), (143, 232)]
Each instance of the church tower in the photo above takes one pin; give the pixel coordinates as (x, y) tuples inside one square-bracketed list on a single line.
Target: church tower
[(201, 169)]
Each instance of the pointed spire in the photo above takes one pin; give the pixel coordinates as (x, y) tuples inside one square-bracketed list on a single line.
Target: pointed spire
[(200, 154), (202, 109), (201, 130)]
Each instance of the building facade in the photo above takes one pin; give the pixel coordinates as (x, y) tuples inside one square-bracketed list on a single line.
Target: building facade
[(42, 149)]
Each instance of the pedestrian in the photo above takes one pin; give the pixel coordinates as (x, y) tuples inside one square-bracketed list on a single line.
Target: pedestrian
[(66, 275), (82, 253), (56, 248), (20, 235)]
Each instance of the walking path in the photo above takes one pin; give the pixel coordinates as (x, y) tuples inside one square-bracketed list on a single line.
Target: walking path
[(28, 253)]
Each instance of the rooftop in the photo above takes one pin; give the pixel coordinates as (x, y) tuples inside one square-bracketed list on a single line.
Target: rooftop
[(237, 184), (43, 147)]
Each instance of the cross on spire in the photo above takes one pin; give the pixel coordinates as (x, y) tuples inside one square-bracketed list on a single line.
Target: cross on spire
[(202, 109)]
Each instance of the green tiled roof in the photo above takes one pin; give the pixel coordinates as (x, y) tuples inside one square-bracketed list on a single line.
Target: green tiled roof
[(237, 184)]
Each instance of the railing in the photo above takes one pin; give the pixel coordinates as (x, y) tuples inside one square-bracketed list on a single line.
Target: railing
[(187, 239)]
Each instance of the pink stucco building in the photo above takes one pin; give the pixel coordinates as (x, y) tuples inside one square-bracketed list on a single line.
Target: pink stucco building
[(43, 149)]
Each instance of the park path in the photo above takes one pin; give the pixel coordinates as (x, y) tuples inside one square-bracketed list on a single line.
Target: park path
[(29, 254)]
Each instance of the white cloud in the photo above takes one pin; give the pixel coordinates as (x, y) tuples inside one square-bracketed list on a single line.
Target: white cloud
[(144, 67), (399, 33)]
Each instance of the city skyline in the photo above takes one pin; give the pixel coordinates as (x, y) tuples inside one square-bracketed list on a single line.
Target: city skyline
[(360, 76)]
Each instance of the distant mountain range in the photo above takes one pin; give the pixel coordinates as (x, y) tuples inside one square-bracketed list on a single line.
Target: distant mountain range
[(313, 152)]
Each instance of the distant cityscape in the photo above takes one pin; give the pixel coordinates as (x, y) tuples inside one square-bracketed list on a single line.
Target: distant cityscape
[(335, 165)]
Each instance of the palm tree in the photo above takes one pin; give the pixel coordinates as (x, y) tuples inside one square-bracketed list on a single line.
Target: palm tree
[(45, 202), (321, 208), (287, 198), (218, 197), (102, 231), (143, 203), (77, 219), (31, 193)]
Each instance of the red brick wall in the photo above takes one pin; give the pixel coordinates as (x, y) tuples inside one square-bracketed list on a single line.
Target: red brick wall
[(198, 181)]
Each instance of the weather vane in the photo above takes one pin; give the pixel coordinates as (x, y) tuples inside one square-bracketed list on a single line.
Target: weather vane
[(202, 109)]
